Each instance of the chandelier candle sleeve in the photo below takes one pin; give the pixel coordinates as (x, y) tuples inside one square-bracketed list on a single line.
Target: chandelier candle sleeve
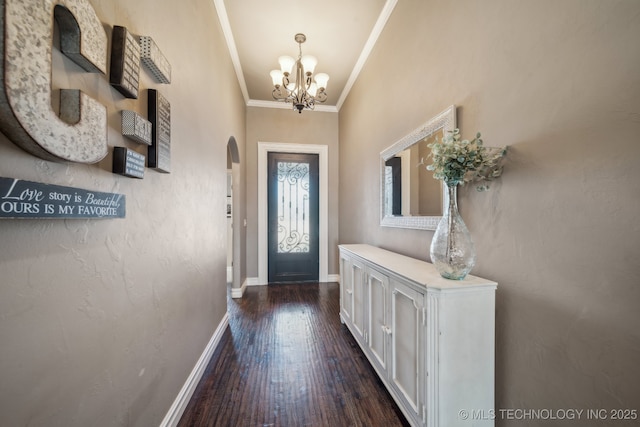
[(302, 89)]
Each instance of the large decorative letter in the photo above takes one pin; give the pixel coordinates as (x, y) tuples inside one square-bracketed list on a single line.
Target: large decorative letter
[(27, 118)]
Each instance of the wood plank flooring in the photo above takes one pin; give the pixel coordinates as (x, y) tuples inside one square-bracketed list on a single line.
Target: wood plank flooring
[(286, 360)]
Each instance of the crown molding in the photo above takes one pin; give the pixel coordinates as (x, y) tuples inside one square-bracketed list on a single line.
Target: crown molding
[(231, 46), (287, 106), (368, 47), (362, 59)]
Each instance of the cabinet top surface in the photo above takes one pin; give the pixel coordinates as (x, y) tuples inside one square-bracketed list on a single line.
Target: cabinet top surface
[(421, 272)]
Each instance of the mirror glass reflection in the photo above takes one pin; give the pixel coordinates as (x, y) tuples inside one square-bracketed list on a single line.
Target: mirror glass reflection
[(411, 189), (409, 195)]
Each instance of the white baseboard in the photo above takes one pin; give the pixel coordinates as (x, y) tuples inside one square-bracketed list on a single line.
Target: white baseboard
[(238, 292), (180, 404), (249, 281), (254, 281), (229, 273)]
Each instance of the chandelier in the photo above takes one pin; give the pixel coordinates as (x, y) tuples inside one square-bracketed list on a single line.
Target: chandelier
[(303, 92)]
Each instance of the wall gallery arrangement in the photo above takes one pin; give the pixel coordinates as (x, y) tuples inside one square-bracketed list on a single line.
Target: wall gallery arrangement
[(79, 132)]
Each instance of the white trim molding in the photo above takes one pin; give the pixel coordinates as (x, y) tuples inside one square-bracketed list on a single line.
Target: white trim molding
[(239, 292), (333, 278), (249, 281), (182, 400), (322, 150), (231, 45), (254, 281), (366, 51), (385, 13), (288, 106)]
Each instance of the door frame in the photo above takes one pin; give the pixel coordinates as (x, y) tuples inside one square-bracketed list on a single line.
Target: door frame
[(323, 221)]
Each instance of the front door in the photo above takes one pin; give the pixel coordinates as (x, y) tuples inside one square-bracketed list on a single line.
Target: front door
[(293, 217)]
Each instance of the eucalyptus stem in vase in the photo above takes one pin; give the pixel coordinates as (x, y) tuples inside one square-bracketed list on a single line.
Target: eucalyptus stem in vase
[(456, 161)]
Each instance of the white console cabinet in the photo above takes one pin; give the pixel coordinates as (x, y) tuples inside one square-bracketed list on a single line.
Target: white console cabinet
[(431, 340)]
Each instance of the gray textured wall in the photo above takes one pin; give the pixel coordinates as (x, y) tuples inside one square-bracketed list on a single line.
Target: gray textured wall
[(559, 82), (286, 126), (101, 321)]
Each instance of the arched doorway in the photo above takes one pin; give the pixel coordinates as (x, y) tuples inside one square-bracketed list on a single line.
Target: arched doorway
[(233, 231)]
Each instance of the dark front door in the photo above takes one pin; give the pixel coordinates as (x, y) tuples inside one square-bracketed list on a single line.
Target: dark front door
[(293, 217)]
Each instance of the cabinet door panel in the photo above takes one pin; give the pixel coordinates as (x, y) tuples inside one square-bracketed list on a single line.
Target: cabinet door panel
[(378, 324), (407, 318), (346, 290), (357, 280)]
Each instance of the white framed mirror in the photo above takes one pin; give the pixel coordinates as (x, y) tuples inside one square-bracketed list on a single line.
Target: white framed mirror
[(409, 195)]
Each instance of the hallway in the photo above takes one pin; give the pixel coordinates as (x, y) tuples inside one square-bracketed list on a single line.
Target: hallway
[(286, 360)]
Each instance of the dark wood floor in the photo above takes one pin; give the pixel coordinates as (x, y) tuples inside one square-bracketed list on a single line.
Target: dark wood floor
[(286, 360)]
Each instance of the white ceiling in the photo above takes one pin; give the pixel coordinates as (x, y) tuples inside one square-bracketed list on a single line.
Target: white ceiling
[(340, 33)]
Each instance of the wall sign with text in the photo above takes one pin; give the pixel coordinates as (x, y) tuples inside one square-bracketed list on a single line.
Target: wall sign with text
[(127, 162), (28, 199)]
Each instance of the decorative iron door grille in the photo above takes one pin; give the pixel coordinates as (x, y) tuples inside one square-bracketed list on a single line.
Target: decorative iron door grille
[(293, 207)]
